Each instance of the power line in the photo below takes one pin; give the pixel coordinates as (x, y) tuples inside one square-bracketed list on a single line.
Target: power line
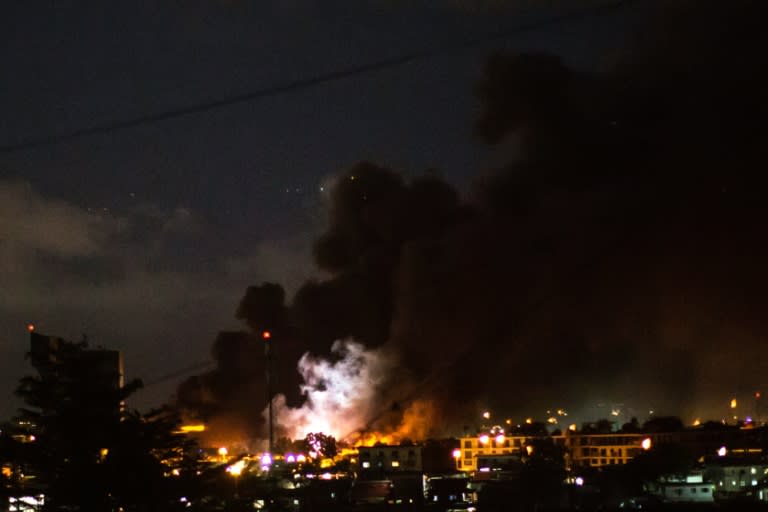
[(309, 82)]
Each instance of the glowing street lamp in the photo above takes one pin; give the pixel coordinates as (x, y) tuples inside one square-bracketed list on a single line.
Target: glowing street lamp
[(722, 451), (484, 439), (487, 415), (646, 444), (236, 469)]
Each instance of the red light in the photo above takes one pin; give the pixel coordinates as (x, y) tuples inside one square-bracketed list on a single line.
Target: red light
[(757, 394), (266, 335), (30, 327)]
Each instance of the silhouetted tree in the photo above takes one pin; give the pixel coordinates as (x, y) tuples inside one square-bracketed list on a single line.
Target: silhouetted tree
[(666, 459), (663, 424), (601, 426), (631, 427), (322, 444), (89, 452)]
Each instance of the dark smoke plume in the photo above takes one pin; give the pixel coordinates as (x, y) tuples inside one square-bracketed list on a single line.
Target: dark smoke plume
[(620, 256)]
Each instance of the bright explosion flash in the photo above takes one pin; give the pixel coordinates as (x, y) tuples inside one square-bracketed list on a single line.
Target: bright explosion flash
[(340, 395)]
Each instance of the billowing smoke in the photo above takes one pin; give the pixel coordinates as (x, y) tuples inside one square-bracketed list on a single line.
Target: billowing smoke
[(339, 391), (619, 256)]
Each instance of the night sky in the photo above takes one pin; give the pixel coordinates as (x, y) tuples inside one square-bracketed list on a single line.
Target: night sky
[(146, 238)]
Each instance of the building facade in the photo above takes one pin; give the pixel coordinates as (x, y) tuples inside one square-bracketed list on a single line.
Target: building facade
[(390, 459), (579, 450)]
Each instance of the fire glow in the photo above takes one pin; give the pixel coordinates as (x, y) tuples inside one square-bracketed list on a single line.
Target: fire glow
[(342, 399)]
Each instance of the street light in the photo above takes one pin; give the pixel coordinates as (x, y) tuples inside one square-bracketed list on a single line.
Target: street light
[(236, 470)]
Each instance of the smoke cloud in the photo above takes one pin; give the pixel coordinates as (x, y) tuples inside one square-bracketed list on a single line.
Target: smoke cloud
[(620, 257), (339, 391)]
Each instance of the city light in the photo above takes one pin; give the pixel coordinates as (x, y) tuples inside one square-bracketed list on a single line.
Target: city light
[(722, 451), (290, 458), (237, 468), (266, 335), (301, 458), (487, 415), (30, 327), (456, 453), (484, 439), (579, 481), (572, 427), (696, 422), (500, 439), (192, 428), (734, 403), (223, 451), (646, 443), (266, 459)]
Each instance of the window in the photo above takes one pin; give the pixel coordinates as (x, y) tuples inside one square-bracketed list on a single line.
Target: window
[(395, 454), (704, 490), (693, 491), (467, 444), (679, 492), (467, 462), (467, 454)]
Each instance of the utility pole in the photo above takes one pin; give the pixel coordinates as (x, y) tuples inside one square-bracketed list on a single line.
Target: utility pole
[(267, 337)]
